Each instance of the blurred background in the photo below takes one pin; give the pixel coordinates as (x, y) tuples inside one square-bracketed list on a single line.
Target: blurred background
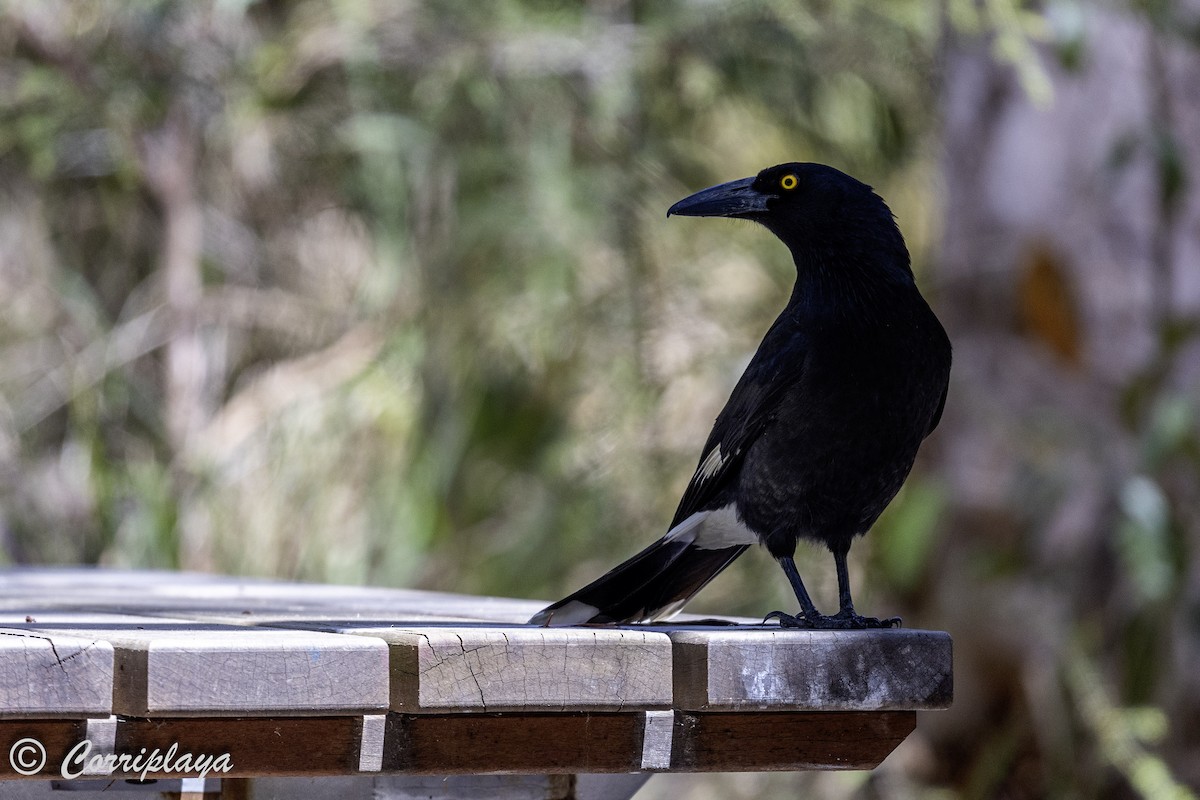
[(384, 293)]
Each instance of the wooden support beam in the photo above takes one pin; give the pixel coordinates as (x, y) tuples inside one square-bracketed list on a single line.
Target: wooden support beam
[(455, 744), (787, 740), (463, 744), (26, 743)]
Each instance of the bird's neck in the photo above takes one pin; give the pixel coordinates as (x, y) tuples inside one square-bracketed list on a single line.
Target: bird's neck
[(835, 283)]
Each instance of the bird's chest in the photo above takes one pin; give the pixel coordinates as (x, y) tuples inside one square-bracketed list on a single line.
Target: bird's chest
[(852, 412), (843, 439)]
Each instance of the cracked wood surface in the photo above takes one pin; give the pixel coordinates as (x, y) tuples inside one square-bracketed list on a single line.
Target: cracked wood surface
[(164, 666), (54, 676), (198, 644), (521, 668), (357, 680)]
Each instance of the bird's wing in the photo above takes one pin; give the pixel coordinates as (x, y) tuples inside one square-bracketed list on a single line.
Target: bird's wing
[(937, 415), (777, 365), (701, 541)]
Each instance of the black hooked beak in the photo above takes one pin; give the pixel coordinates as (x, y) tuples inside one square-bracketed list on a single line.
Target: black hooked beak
[(733, 199)]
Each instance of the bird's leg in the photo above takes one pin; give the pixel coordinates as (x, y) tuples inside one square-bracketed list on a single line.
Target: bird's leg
[(846, 616), (845, 602), (808, 617)]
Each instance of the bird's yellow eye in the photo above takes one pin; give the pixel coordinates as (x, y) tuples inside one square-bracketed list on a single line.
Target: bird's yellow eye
[(788, 182)]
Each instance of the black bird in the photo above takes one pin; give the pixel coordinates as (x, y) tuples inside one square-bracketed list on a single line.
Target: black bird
[(822, 428)]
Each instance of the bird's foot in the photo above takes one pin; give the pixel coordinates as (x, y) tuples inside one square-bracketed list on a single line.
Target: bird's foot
[(841, 621), (798, 621), (848, 619)]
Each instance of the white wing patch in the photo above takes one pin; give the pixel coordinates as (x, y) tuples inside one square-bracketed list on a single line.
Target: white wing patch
[(711, 464), (713, 530), (667, 611), (573, 613)]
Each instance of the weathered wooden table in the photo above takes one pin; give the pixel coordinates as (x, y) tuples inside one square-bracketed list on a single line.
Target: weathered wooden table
[(208, 685)]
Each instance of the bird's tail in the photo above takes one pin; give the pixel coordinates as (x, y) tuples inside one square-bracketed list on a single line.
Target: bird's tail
[(651, 586)]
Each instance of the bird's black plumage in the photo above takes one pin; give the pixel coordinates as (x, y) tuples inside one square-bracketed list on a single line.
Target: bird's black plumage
[(822, 428)]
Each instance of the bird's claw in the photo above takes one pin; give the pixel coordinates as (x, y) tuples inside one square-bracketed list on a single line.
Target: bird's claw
[(838, 622), (788, 621)]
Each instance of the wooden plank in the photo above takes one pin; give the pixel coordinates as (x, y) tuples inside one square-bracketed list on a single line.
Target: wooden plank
[(255, 746), (255, 672), (440, 669), (29, 591), (602, 743), (298, 746), (743, 668), (50, 675), (35, 581), (27, 743), (787, 740), (456, 744), (170, 667)]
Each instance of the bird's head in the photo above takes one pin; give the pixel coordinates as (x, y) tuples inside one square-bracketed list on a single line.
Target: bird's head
[(816, 210)]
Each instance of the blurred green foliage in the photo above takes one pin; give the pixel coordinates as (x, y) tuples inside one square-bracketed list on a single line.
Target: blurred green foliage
[(481, 187)]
